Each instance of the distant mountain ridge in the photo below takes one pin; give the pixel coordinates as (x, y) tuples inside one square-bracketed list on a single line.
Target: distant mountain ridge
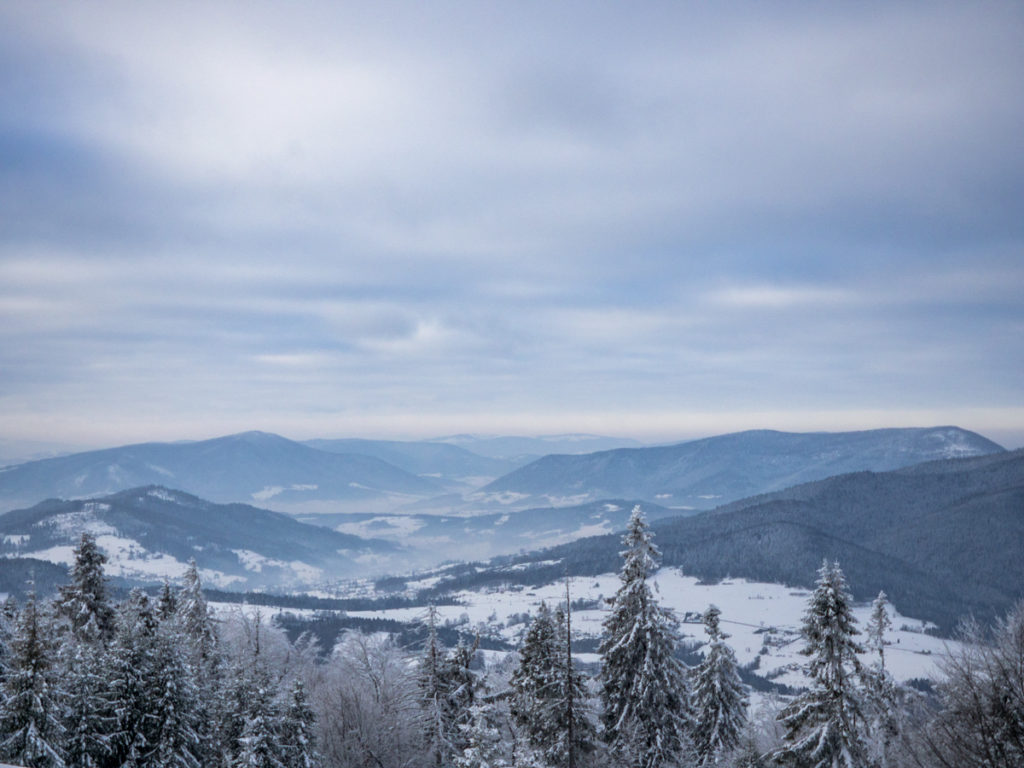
[(703, 474), (515, 447), (942, 538), (151, 533), (248, 467), (444, 461)]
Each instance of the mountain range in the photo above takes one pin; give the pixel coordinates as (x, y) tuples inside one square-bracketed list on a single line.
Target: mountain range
[(703, 474), (150, 533), (248, 467), (942, 538)]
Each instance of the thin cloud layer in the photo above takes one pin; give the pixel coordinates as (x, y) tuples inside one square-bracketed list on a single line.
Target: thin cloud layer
[(407, 220)]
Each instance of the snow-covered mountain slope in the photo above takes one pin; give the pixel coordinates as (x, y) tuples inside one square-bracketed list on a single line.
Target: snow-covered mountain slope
[(706, 473), (440, 537), (150, 533), (942, 538), (252, 467)]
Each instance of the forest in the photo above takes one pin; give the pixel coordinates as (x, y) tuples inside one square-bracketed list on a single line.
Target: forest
[(166, 681)]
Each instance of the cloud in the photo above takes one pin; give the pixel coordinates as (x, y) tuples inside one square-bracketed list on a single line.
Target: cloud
[(249, 213)]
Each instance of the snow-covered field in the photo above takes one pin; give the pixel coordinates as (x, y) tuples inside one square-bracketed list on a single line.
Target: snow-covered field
[(762, 620)]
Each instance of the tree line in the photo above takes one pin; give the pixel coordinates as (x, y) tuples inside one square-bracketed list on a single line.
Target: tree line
[(164, 682)]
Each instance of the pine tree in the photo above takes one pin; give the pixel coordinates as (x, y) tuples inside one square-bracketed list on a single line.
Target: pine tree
[(882, 691), (195, 617), (719, 697), (133, 663), (174, 728), (203, 659), (464, 686), (84, 602), (298, 737), (31, 733), (258, 743), (483, 747), (448, 688), (826, 725), (89, 717), (877, 626), (645, 691), (574, 732), (167, 603), (535, 683)]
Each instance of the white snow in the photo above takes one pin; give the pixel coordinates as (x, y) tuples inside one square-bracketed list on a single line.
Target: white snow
[(255, 562), (397, 526), (762, 620), (17, 539)]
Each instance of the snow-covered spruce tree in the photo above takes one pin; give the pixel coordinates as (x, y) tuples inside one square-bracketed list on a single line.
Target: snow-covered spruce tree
[(31, 732), (644, 688), (298, 731), (203, 659), (483, 747), (465, 687), (132, 666), (720, 699), (826, 726), (194, 615), (433, 692), (174, 726), (448, 688), (574, 730), (535, 682), (167, 603), (88, 712), (84, 601), (89, 716), (258, 744), (882, 692)]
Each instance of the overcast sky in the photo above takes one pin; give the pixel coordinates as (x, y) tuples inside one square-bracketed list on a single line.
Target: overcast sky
[(657, 220)]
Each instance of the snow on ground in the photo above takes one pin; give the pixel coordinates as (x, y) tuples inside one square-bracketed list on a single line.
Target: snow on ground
[(499, 497), (255, 562), (383, 526), (763, 620)]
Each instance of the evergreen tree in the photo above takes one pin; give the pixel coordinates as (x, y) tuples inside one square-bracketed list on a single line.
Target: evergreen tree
[(464, 686), (31, 732), (535, 682), (84, 602), (435, 690), (574, 731), (167, 603), (258, 743), (877, 626), (133, 663), (203, 659), (882, 690), (483, 747), (645, 691), (174, 726), (298, 738), (825, 726), (195, 618), (89, 717), (719, 697)]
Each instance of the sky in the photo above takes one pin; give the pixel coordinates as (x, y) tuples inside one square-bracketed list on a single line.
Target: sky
[(403, 220)]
